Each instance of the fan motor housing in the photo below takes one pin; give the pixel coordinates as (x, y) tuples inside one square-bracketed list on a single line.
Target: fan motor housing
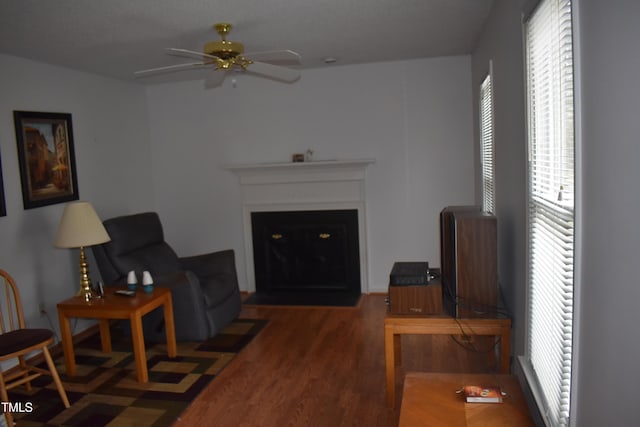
[(223, 49)]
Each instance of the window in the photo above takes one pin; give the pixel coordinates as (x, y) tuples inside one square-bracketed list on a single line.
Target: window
[(487, 157), (550, 120)]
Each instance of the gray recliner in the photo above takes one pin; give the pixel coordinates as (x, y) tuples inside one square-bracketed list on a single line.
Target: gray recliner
[(204, 288)]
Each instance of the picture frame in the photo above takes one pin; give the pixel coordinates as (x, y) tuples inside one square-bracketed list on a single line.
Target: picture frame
[(47, 158), (3, 205)]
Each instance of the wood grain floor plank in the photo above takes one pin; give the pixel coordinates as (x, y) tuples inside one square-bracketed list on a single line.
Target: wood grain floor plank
[(319, 366)]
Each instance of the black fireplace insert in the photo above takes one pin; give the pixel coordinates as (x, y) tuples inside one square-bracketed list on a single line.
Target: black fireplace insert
[(311, 257)]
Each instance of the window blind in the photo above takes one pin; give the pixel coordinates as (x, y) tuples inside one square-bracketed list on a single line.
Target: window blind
[(550, 111), (487, 157)]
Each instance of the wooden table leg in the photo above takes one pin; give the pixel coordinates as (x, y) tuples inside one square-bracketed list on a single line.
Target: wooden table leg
[(390, 364), (169, 327), (505, 351), (397, 348), (67, 344), (139, 352), (105, 336)]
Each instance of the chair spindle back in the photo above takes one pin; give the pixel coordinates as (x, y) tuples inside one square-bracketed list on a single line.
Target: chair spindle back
[(11, 315)]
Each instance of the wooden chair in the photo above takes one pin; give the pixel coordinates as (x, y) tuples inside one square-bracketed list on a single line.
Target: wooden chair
[(16, 342)]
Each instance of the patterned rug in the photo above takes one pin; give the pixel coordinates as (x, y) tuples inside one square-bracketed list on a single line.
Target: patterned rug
[(105, 391)]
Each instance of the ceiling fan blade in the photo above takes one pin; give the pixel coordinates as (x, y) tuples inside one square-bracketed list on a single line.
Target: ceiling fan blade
[(276, 57), (170, 69), (275, 72), (190, 54), (214, 78)]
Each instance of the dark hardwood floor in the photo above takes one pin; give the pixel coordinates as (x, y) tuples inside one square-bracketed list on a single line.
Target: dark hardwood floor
[(318, 366)]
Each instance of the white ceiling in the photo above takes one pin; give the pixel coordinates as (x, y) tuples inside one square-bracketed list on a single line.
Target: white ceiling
[(117, 37)]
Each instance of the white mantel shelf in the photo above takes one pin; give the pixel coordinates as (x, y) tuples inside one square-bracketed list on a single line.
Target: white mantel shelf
[(320, 170), (315, 185)]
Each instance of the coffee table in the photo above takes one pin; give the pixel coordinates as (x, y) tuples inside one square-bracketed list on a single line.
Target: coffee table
[(111, 307), (430, 399), (397, 325)]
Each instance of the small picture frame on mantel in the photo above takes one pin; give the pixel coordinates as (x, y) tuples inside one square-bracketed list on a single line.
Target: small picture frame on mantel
[(297, 157)]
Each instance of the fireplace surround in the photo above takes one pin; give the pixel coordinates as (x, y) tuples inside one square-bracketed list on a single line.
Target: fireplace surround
[(336, 185)]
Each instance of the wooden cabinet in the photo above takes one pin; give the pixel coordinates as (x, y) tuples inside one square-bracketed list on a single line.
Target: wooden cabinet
[(418, 299)]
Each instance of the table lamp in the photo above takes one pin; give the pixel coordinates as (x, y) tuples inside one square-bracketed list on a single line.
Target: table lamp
[(80, 227)]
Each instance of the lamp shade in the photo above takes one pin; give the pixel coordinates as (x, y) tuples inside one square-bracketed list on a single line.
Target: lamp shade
[(80, 226)]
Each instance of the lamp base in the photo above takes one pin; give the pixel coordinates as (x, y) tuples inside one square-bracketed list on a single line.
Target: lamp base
[(85, 282), (86, 295)]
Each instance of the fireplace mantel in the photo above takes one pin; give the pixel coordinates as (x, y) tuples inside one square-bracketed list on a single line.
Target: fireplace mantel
[(322, 170), (316, 185)]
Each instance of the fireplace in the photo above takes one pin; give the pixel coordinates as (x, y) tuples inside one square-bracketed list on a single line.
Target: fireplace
[(293, 189), (314, 253)]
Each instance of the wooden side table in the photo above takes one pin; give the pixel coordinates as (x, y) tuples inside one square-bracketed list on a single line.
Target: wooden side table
[(114, 306), (397, 325), (430, 399)]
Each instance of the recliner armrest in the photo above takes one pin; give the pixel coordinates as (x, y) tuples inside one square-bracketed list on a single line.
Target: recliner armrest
[(188, 301), (183, 284), (211, 264)]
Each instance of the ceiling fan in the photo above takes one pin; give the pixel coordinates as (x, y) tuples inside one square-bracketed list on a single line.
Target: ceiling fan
[(223, 56)]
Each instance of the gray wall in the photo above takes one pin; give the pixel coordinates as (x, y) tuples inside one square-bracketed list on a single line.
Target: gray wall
[(113, 159), (413, 117), (606, 348), (501, 44), (164, 148), (609, 346)]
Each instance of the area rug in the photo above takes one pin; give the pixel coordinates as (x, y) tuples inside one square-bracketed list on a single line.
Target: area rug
[(105, 391)]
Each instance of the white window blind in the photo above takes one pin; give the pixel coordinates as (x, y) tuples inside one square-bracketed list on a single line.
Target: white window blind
[(550, 111), (487, 157)]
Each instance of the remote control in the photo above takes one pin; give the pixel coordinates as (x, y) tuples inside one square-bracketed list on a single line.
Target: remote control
[(126, 293)]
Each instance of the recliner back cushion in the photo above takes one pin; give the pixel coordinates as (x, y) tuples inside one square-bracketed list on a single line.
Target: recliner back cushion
[(157, 259), (137, 243), (132, 232)]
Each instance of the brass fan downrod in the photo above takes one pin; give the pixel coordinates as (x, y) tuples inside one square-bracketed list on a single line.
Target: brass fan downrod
[(223, 29)]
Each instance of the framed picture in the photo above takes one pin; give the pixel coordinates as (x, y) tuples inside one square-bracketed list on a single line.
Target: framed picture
[(46, 156), (3, 206)]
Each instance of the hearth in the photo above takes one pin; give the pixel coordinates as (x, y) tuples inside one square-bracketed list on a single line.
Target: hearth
[(306, 257)]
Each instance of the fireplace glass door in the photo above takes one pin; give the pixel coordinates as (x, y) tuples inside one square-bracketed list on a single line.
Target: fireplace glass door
[(306, 251)]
